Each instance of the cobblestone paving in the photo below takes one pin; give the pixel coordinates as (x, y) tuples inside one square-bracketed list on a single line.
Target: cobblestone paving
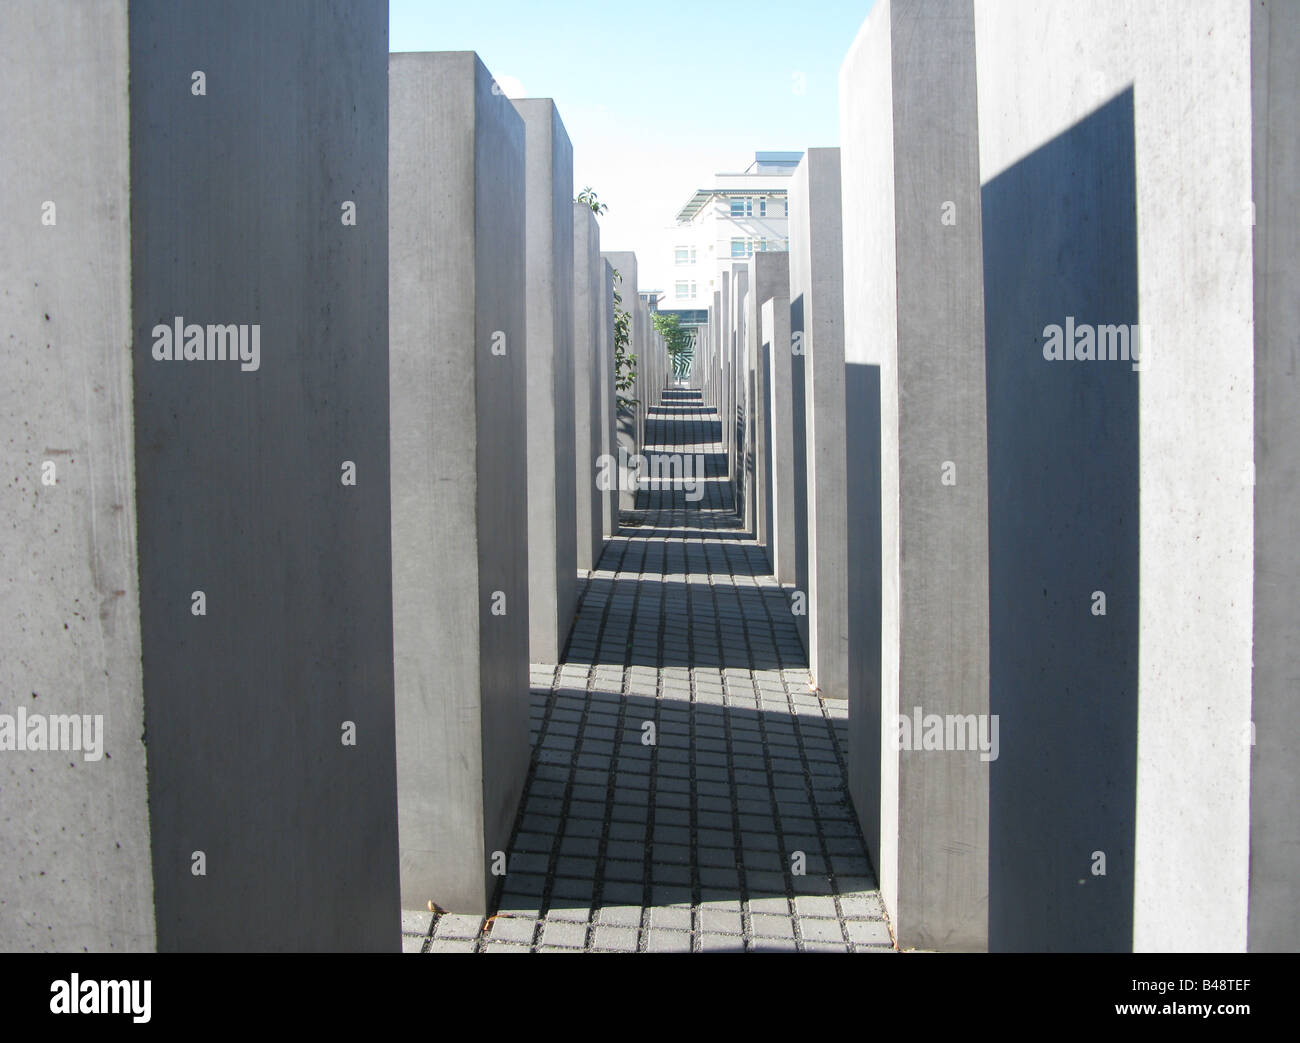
[(687, 789)]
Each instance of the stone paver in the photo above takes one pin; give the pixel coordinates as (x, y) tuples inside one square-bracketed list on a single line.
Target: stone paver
[(683, 773), (668, 941)]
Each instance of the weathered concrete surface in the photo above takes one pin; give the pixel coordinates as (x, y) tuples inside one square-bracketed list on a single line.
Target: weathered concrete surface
[(645, 361), (914, 345), (460, 539), (238, 217), (1274, 908), (651, 358), (776, 347), (666, 378), (817, 315), (637, 348), (1125, 733), (708, 368), (753, 453), (588, 342), (726, 390), (706, 358), (769, 280), (643, 338), (715, 343), (738, 471), (552, 511), (608, 398), (665, 369), (799, 431), (641, 349), (74, 833)]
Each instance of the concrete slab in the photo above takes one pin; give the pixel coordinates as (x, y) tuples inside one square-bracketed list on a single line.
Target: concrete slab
[(643, 339), (552, 499), (74, 836), (262, 480), (736, 416), (817, 318), (775, 345), (726, 371), (1273, 923), (460, 542), (715, 342), (914, 362), (769, 280), (1124, 733), (608, 398), (588, 342)]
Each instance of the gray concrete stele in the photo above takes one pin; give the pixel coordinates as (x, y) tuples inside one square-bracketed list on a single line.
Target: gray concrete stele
[(460, 510)]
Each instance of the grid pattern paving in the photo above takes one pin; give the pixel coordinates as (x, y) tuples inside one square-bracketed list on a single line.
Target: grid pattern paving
[(687, 791)]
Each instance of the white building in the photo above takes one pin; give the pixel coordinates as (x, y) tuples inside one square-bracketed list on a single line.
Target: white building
[(726, 222)]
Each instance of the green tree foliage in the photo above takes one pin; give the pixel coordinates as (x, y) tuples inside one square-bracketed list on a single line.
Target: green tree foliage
[(624, 359), (587, 197), (679, 342)]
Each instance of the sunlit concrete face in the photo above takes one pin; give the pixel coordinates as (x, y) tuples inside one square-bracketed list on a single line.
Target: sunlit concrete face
[(460, 508), (917, 550), (552, 523), (74, 841), (817, 321), (769, 280), (588, 371), (1157, 455), (608, 396)]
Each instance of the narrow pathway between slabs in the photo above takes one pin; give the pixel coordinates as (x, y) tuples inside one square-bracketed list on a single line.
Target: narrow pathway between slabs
[(687, 791)]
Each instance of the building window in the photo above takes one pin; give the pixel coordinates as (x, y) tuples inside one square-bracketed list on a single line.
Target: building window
[(786, 201), (685, 289), (742, 206), (742, 246), (762, 208), (685, 254)]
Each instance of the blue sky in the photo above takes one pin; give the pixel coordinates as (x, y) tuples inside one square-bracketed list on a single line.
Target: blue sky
[(655, 98)]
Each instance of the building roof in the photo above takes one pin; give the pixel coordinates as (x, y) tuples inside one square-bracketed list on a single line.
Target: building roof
[(702, 196), (776, 159), (766, 164)]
